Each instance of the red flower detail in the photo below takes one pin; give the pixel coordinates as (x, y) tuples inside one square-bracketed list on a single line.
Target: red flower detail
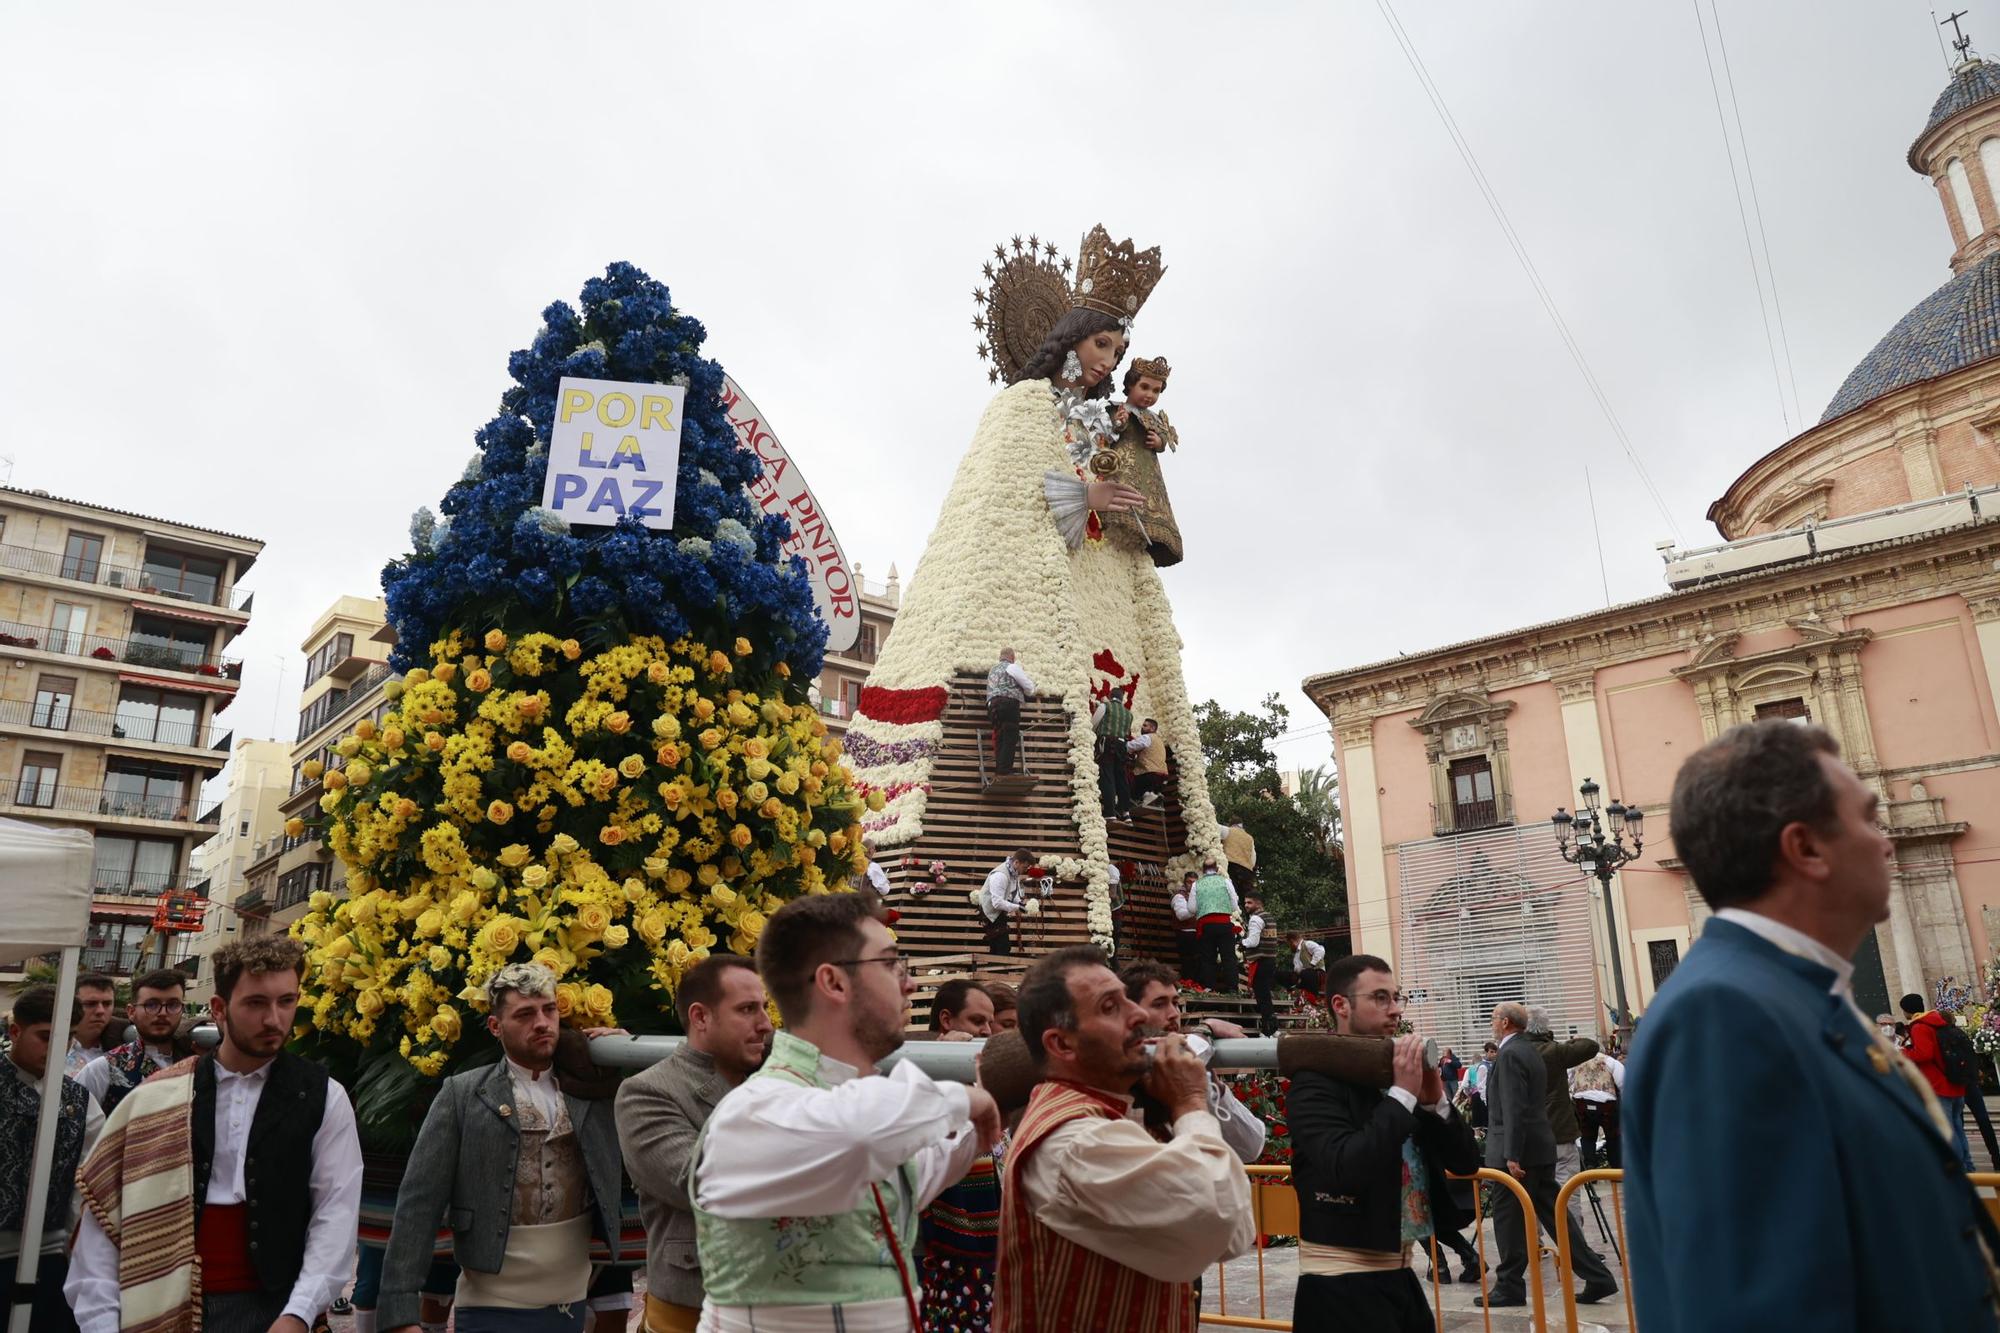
[(903, 706)]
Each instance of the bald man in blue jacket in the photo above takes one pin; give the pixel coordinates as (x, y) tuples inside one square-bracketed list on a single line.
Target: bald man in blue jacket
[(1785, 1168)]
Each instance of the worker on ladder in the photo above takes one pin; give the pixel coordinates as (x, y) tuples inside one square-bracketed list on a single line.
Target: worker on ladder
[(1007, 688)]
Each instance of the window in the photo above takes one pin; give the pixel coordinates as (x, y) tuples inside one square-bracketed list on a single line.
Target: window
[(1792, 710), (1961, 193), (1472, 803), (335, 650), (82, 556), (140, 867), (243, 830), (189, 577), (1663, 956), (157, 715), (850, 694), (68, 624), (53, 696), (144, 791), (867, 645), (39, 773), (167, 643)]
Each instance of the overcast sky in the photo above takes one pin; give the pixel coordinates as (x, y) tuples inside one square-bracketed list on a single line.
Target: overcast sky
[(262, 269)]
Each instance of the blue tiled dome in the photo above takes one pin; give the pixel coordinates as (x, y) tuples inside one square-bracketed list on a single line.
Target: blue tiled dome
[(1973, 82), (1955, 326)]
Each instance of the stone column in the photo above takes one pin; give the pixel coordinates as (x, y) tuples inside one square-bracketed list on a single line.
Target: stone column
[(1583, 739), (1367, 876)]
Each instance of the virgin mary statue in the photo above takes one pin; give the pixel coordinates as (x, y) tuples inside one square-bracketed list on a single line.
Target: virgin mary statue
[(1041, 547)]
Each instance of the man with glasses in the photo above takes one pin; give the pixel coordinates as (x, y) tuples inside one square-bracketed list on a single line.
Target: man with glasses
[(156, 1011), (1369, 1165), (809, 1178), (96, 998)]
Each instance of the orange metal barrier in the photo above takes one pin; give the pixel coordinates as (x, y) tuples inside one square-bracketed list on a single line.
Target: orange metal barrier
[(1275, 1207), (1563, 1256)]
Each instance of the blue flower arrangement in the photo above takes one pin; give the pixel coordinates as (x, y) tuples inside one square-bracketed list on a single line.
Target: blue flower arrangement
[(496, 559)]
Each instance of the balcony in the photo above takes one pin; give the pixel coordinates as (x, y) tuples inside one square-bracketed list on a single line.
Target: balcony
[(125, 578), (124, 960), (1469, 816), (131, 652), (100, 801), (114, 883), (54, 716)]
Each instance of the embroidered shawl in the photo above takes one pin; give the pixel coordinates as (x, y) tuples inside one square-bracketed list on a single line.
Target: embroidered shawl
[(139, 1185)]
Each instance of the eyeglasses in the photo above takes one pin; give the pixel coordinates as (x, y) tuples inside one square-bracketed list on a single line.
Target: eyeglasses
[(1382, 997), (897, 962), (159, 1006)]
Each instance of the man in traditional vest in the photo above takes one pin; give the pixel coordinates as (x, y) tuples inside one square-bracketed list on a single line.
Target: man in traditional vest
[(1102, 1226), (245, 1158), (1215, 908), (526, 1171), (157, 1007), (1007, 688), (1186, 933), (1308, 965), (30, 1032), (1002, 898), (809, 1178), (721, 1003), (1240, 850), (1149, 765), (1260, 955)]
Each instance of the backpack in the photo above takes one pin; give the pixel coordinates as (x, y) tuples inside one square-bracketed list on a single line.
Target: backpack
[(1956, 1056)]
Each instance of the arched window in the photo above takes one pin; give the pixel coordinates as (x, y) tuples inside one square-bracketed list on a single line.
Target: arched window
[(1989, 159), (1961, 193)]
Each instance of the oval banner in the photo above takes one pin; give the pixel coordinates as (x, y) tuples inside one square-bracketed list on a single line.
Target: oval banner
[(783, 490)]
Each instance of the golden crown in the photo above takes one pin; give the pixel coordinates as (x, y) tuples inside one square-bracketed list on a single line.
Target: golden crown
[(1158, 370), (1112, 278)]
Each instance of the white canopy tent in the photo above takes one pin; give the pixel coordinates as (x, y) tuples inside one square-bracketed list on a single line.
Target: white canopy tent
[(44, 906)]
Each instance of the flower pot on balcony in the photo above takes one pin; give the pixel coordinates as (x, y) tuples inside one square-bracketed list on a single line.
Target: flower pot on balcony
[(103, 654)]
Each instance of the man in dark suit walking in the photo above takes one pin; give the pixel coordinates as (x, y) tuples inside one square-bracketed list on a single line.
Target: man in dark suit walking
[(1520, 1142), (1776, 1146), (1369, 1167)]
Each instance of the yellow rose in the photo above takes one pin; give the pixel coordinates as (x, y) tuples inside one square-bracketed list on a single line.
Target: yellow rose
[(479, 681), (710, 738), (406, 809), (668, 755), (520, 752), (722, 896), (529, 706), (655, 866), (392, 689), (788, 783), (770, 808), (535, 877), (465, 904), (571, 649), (368, 1003), (657, 672), (677, 954), (615, 937), (593, 918), (358, 773), (295, 827), (725, 801), (597, 1001), (618, 723), (336, 780), (632, 765), (666, 727), (607, 781), (564, 845), (417, 676), (433, 741), (718, 664), (569, 998), (347, 747), (392, 739), (499, 812), (704, 709), (440, 958), (365, 729), (806, 855), (513, 855), (329, 801), (678, 880), (742, 647), (434, 717), (447, 671), (611, 835), (430, 923), (496, 642), (709, 877), (740, 837), (311, 769), (445, 1023), (502, 935), (837, 843), (671, 795), (653, 928), (339, 947), (785, 670)]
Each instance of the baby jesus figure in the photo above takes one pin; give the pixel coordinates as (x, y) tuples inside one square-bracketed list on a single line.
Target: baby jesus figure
[(1144, 433)]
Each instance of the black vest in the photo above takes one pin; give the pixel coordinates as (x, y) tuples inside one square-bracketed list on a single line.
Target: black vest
[(277, 1164), (20, 1115)]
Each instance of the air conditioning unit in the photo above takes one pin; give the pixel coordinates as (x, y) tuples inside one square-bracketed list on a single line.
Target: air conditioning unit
[(114, 578)]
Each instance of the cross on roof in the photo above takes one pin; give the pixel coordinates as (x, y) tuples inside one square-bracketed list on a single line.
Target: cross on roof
[(1961, 43)]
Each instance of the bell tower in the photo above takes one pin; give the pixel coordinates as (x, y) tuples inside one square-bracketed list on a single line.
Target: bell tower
[(1959, 150)]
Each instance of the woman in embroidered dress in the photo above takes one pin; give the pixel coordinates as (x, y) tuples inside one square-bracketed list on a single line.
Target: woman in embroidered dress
[(1035, 549)]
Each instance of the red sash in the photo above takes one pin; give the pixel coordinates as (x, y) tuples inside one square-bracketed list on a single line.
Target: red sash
[(222, 1239)]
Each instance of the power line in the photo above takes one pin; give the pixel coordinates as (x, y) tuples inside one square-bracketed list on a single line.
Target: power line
[(1756, 209), (1520, 249)]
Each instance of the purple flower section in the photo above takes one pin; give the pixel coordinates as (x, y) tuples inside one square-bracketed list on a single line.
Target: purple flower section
[(865, 752)]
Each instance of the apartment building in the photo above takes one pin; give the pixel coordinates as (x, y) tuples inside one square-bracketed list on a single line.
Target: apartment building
[(114, 637), (259, 780), (837, 690), (347, 663)]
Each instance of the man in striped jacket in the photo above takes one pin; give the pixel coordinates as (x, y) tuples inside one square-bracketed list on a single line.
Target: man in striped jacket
[(1102, 1226)]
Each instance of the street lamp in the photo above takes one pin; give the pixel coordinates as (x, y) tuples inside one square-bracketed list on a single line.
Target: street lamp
[(1600, 849)]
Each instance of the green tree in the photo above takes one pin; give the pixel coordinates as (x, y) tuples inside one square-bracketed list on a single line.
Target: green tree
[(1299, 867)]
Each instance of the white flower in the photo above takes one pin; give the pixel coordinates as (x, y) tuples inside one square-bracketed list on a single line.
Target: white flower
[(732, 533)]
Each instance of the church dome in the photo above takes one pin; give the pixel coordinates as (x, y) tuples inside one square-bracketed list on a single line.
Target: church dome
[(1955, 326), (1973, 82)]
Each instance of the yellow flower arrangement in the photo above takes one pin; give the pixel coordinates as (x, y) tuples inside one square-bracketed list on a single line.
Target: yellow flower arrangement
[(534, 823)]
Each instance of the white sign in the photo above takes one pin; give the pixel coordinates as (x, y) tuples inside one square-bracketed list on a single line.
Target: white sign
[(783, 490), (613, 452)]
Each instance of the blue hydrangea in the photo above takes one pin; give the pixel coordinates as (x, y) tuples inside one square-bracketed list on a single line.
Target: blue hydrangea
[(496, 558)]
